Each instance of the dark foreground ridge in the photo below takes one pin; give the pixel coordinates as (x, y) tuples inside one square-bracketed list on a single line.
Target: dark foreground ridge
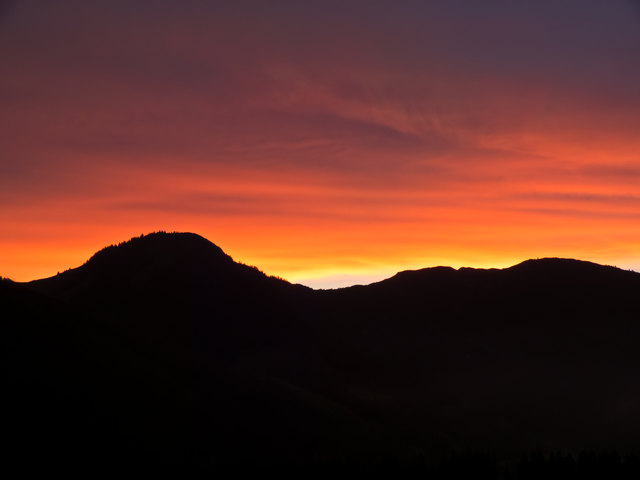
[(163, 354)]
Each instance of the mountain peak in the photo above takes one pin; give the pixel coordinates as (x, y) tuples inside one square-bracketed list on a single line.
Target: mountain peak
[(153, 257), (160, 265), (553, 264), (161, 250), (164, 243)]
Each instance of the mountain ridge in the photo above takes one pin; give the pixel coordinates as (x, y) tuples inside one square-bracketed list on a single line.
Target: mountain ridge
[(175, 354), (175, 242)]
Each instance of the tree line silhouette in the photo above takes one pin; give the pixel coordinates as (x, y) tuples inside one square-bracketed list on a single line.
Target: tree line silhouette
[(469, 464)]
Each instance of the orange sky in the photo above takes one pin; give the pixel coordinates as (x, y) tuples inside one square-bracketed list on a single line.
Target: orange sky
[(328, 146)]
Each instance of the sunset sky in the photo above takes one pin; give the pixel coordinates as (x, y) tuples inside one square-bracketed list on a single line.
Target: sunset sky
[(329, 142)]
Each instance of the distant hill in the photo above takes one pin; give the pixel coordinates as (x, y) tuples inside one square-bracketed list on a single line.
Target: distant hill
[(163, 351), (180, 287)]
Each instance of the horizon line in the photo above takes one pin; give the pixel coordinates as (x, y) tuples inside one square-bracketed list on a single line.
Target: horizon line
[(331, 281)]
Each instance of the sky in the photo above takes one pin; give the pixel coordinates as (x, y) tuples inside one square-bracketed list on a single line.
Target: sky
[(329, 143)]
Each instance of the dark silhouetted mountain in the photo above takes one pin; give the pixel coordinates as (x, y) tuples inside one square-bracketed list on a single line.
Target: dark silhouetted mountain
[(180, 288), (164, 352)]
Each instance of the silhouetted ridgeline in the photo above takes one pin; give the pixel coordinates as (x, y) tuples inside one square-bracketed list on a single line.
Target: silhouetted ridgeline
[(162, 353)]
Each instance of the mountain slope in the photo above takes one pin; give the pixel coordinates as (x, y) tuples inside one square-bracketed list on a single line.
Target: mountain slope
[(183, 343), (538, 355), (180, 287), (220, 348)]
